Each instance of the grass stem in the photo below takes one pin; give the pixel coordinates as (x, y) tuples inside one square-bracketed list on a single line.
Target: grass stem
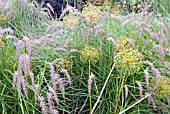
[(103, 89)]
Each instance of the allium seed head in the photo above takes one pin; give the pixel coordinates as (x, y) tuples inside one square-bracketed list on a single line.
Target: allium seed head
[(163, 90), (128, 60), (71, 20), (1, 42), (92, 14), (89, 54), (124, 43)]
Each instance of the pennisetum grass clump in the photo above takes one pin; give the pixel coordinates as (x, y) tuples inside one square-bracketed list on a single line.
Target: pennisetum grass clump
[(44, 62)]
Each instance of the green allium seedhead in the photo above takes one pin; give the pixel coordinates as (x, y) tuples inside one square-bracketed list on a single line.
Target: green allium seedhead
[(71, 20), (92, 14), (3, 18), (163, 90), (123, 43), (89, 54), (64, 63), (1, 42), (128, 60)]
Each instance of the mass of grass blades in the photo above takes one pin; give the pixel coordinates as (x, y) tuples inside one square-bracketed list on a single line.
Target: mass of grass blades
[(97, 61)]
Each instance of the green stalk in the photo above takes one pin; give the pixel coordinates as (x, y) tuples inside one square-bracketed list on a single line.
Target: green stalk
[(118, 97), (90, 93), (94, 107)]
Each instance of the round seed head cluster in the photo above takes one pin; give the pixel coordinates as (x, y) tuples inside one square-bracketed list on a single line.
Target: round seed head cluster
[(128, 60), (1, 42), (3, 18), (89, 54), (71, 20), (163, 90), (123, 43), (92, 14), (64, 63)]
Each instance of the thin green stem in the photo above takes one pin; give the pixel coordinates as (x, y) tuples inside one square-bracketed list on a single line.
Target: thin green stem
[(90, 93), (134, 104), (94, 107), (90, 102), (118, 97)]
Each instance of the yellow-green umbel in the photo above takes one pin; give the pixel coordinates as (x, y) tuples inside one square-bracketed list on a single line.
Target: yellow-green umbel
[(163, 90), (89, 54), (64, 63), (1, 42), (92, 14), (3, 18), (128, 60), (71, 20), (123, 43)]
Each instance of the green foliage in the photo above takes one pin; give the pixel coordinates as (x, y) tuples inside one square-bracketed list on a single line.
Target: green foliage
[(53, 42)]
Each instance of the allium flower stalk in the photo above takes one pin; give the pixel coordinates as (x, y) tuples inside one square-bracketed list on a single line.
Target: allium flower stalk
[(42, 104), (140, 88), (90, 82)]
